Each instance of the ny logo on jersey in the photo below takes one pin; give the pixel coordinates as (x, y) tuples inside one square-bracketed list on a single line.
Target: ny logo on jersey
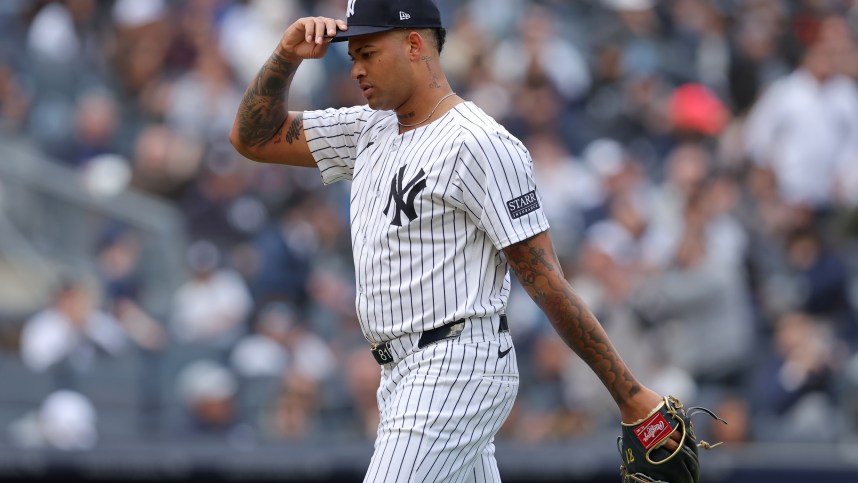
[(403, 203), (350, 10)]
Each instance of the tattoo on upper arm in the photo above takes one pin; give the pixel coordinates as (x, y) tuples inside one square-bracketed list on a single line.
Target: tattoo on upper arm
[(294, 131), (541, 276), (263, 107)]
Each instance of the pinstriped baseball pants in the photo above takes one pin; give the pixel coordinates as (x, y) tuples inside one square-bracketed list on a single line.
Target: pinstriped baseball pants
[(440, 409)]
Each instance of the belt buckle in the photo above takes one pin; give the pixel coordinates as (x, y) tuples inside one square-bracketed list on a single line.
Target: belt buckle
[(381, 353)]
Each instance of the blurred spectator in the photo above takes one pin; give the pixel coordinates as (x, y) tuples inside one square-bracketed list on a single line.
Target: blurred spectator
[(617, 173), (295, 415), (211, 308), (795, 385), (469, 66), (849, 394), (219, 205), (700, 42), (533, 54), (106, 175), (119, 257), (283, 250), (696, 111), (72, 330), (53, 48), (566, 186), (310, 364), (699, 302), (690, 171), (467, 49), (804, 129), (685, 171), (541, 412), (141, 43), (362, 377), (15, 101), (754, 63), (492, 18), (311, 358), (823, 280), (331, 279), (66, 421), (96, 121), (52, 37), (538, 107), (263, 352), (164, 163), (207, 391), (203, 101), (249, 29)]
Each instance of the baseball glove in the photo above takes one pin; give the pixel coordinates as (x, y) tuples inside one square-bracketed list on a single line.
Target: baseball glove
[(646, 460)]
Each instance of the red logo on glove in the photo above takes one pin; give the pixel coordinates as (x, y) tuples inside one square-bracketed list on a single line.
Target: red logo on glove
[(653, 430)]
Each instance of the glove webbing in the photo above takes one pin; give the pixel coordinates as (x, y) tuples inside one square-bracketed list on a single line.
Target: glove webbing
[(696, 410)]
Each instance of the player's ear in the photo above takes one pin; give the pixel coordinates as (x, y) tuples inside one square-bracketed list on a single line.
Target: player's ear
[(415, 44)]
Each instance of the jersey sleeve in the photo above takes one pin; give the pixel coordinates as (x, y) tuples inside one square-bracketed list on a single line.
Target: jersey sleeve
[(495, 179), (332, 135)]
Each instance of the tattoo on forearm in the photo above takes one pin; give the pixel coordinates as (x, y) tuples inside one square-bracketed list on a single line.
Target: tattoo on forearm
[(569, 315), (434, 83), (264, 108)]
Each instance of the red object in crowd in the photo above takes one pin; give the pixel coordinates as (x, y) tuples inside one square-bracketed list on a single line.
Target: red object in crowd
[(693, 107)]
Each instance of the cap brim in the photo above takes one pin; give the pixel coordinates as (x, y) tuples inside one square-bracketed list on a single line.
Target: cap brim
[(343, 35)]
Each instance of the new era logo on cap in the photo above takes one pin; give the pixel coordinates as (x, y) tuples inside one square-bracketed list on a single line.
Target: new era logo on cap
[(371, 16)]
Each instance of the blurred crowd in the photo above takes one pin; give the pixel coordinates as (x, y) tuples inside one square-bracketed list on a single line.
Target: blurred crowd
[(697, 160)]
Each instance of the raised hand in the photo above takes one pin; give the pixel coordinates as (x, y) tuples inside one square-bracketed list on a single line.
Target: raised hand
[(309, 37)]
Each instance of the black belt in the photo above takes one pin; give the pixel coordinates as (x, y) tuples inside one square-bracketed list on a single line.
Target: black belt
[(383, 355)]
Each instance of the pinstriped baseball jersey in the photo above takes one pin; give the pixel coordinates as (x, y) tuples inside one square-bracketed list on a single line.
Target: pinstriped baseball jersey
[(430, 211)]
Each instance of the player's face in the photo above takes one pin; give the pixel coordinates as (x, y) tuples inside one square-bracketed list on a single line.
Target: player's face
[(381, 68)]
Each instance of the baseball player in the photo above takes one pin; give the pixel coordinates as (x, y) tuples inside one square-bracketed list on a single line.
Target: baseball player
[(443, 203)]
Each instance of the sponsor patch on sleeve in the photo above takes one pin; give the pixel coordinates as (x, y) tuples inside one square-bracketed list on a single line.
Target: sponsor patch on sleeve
[(523, 205)]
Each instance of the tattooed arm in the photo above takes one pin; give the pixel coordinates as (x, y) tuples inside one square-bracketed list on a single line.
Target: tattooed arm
[(535, 264), (264, 129)]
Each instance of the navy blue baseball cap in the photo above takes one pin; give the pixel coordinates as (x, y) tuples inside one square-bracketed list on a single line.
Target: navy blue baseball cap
[(371, 16)]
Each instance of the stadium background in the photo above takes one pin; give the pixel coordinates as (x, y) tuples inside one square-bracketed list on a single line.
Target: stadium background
[(702, 190)]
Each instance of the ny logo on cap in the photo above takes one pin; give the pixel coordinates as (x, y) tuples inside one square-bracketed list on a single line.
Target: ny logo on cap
[(350, 10)]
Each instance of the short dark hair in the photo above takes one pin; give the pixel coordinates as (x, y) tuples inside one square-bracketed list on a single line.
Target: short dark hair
[(440, 38), (439, 33)]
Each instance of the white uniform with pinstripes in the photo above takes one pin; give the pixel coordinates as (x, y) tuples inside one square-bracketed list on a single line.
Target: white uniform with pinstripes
[(430, 211)]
